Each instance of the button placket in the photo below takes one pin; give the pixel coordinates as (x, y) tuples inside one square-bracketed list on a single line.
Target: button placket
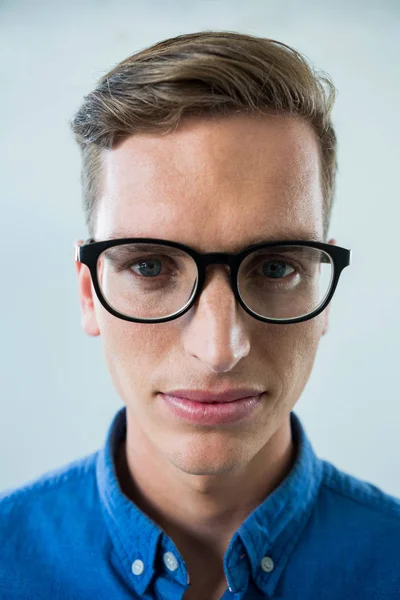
[(237, 574)]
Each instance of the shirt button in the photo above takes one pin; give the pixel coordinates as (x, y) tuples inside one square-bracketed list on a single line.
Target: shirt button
[(137, 567), (267, 564), (170, 561)]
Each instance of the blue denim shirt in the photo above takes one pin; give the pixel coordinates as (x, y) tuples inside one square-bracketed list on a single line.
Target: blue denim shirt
[(320, 535)]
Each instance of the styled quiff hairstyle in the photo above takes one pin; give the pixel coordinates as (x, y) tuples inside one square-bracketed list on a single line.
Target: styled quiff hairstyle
[(207, 73)]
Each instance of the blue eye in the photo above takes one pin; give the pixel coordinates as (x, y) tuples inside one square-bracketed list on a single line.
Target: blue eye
[(155, 267), (275, 269)]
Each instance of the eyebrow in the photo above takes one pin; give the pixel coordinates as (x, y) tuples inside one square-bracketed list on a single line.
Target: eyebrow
[(261, 239), (285, 237)]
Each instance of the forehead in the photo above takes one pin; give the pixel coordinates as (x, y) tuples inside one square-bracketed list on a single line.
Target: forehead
[(219, 183)]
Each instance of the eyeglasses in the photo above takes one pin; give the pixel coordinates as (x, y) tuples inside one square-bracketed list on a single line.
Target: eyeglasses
[(147, 280)]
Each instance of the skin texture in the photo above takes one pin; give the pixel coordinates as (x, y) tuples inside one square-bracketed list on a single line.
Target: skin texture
[(217, 185)]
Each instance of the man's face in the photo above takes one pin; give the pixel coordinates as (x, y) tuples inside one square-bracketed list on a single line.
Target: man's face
[(218, 186)]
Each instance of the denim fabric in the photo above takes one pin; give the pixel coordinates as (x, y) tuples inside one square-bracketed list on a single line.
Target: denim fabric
[(321, 535)]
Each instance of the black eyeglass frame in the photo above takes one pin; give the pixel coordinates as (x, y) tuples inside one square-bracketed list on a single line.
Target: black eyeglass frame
[(89, 252)]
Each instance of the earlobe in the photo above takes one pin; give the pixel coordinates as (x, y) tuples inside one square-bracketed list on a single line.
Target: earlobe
[(326, 321), (88, 314)]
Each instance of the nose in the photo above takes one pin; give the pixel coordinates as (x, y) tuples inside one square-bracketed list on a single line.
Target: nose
[(215, 331)]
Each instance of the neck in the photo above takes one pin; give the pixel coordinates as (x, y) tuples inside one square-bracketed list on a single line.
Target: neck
[(200, 513)]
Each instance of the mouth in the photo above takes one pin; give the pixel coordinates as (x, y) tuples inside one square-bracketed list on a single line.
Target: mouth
[(211, 412), (225, 395)]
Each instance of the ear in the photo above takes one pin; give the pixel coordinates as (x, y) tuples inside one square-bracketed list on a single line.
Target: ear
[(325, 313), (86, 297), (325, 325)]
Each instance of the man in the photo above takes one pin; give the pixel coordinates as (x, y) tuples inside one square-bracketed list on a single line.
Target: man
[(208, 177)]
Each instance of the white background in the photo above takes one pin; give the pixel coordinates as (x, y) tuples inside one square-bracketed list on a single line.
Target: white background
[(57, 398)]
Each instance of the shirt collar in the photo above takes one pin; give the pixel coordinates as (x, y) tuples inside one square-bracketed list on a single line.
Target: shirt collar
[(261, 546)]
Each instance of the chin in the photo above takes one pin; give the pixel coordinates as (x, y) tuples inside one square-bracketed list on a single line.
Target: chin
[(198, 460)]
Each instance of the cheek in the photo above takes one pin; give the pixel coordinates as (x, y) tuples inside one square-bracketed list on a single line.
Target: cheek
[(133, 351), (293, 353)]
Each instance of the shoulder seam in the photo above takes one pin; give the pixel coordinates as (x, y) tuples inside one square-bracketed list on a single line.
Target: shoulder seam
[(370, 502), (46, 482)]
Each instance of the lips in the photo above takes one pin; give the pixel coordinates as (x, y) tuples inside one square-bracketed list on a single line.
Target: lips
[(211, 413), (210, 397)]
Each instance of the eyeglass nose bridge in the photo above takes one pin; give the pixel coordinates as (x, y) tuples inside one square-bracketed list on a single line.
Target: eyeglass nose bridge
[(214, 258), (219, 258)]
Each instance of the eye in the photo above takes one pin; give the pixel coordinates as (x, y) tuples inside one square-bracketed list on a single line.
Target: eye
[(151, 266), (275, 269), (148, 268)]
